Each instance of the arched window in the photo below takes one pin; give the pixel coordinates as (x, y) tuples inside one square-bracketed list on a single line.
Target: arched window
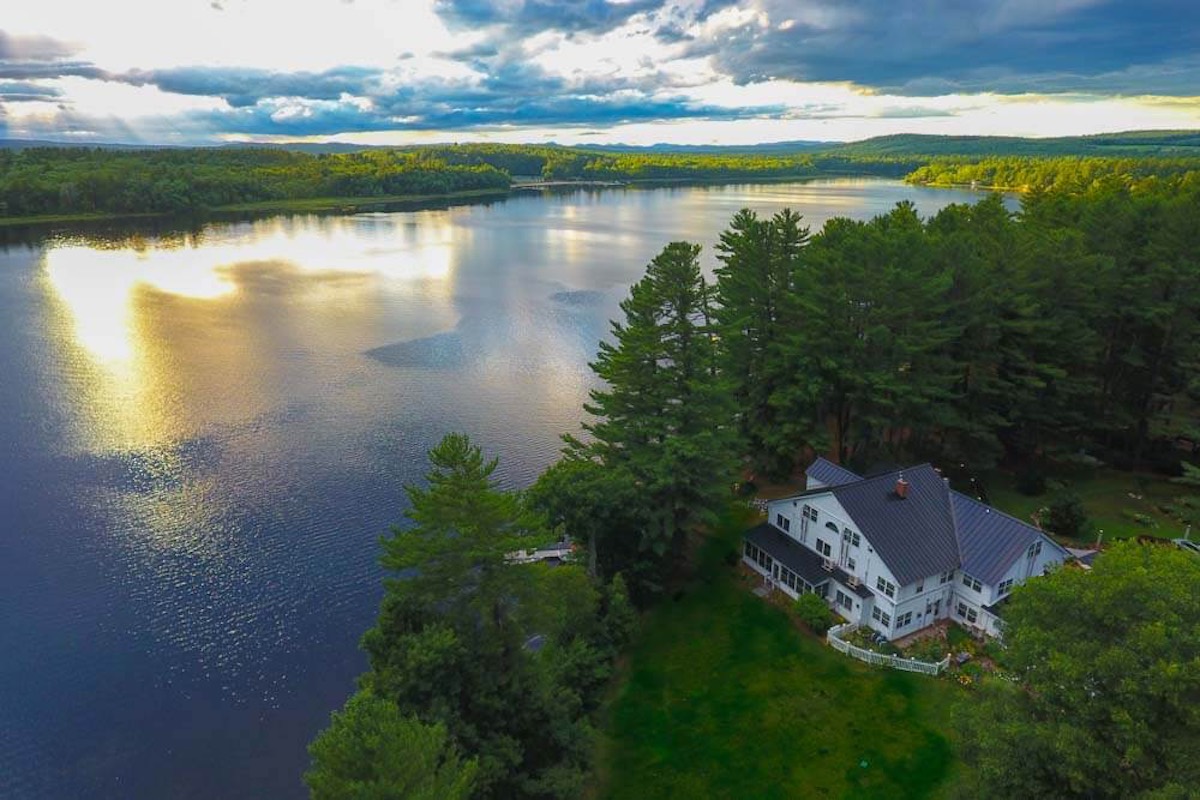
[(832, 527)]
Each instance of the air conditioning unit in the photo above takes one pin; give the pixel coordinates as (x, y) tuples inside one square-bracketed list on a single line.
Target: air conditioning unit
[(827, 564), (853, 581)]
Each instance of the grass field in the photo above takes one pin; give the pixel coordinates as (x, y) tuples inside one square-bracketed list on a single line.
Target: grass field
[(725, 698), (1107, 497)]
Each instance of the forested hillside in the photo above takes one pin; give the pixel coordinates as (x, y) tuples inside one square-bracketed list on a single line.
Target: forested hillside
[(82, 180), (1024, 174)]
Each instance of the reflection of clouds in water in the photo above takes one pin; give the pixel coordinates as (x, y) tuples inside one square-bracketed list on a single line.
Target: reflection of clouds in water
[(582, 298), (440, 351), (162, 335)]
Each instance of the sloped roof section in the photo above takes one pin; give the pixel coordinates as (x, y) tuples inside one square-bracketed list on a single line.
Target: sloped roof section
[(913, 535), (829, 473), (991, 540)]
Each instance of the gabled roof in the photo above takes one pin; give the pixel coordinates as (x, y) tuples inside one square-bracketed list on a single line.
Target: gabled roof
[(991, 540), (915, 535), (824, 471)]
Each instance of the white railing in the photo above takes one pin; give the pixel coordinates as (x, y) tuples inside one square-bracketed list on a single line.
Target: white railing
[(834, 637)]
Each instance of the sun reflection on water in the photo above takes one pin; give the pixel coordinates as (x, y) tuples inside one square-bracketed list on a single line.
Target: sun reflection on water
[(167, 335)]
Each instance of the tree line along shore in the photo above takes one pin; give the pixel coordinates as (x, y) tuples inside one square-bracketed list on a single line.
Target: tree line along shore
[(60, 184)]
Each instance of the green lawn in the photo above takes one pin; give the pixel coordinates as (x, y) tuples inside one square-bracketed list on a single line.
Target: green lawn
[(1106, 496), (724, 697)]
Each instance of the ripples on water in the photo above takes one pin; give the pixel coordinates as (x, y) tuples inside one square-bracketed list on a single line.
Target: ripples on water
[(206, 432)]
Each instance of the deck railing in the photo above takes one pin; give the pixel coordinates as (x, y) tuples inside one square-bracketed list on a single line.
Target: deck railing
[(834, 637)]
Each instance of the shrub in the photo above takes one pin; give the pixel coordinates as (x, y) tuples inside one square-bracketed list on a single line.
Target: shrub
[(813, 612), (1067, 517)]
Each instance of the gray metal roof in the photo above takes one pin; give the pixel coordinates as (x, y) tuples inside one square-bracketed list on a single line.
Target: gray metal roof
[(788, 552), (915, 535), (806, 563), (991, 540), (829, 473)]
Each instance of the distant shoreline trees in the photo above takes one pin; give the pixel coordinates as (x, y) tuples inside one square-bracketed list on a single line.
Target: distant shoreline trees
[(79, 180)]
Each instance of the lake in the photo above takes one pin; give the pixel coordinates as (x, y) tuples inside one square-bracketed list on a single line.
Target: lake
[(207, 430)]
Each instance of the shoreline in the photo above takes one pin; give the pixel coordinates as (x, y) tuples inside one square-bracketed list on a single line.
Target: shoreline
[(352, 204)]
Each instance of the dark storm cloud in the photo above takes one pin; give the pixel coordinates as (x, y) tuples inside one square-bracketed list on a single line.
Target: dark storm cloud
[(528, 17), (945, 46), (247, 86), (45, 70), (421, 111), (19, 91)]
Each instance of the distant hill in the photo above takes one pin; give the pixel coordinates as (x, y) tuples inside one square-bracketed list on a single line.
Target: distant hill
[(1132, 143), (796, 146)]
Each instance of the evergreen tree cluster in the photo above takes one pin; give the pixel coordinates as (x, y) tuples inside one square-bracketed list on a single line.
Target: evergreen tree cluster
[(977, 336), (483, 672), (89, 180), (1064, 172)]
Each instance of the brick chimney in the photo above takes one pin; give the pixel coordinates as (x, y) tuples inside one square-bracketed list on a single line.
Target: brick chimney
[(901, 487)]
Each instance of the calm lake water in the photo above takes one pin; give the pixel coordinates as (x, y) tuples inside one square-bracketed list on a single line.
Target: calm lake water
[(205, 433)]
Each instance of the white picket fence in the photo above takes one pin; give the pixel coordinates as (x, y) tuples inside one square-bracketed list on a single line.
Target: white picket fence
[(834, 637)]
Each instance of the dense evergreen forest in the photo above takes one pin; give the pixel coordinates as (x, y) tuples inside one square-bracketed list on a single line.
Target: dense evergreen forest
[(1065, 334), (83, 180), (1068, 172)]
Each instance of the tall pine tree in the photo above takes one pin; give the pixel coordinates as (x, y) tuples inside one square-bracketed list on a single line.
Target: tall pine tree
[(664, 418)]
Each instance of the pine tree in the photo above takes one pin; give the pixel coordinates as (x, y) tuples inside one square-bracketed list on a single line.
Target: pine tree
[(756, 315), (665, 418)]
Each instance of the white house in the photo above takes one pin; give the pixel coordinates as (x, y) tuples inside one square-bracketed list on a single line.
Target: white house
[(897, 552)]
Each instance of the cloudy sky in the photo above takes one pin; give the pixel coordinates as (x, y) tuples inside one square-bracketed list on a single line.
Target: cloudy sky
[(580, 71)]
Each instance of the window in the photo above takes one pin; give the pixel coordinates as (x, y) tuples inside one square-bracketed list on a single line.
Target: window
[(783, 522), (824, 549), (1035, 548), (904, 619), (843, 600), (759, 557), (972, 582), (961, 609), (946, 577), (789, 579), (882, 617), (972, 615), (887, 587), (832, 527), (920, 587), (849, 565), (855, 539), (810, 513), (1005, 587)]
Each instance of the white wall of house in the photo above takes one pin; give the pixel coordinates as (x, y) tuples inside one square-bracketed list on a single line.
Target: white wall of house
[(969, 612)]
